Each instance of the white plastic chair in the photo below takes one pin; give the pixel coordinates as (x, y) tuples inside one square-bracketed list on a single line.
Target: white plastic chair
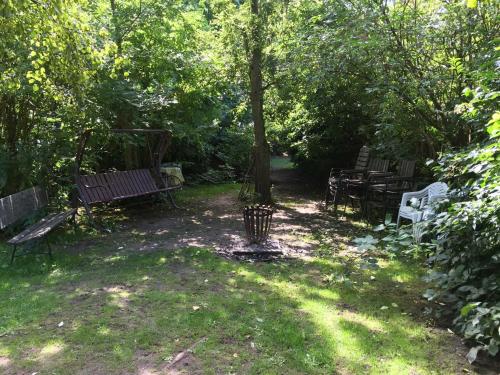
[(432, 193)]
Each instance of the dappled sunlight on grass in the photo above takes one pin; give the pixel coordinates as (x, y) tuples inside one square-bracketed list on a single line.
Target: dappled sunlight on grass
[(127, 310), (161, 302), (50, 350)]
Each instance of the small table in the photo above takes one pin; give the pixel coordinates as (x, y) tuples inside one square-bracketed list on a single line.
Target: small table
[(173, 175)]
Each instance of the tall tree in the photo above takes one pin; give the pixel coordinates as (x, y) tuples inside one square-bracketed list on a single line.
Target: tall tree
[(261, 146)]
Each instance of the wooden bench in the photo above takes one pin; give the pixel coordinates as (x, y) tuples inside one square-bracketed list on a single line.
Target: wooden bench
[(118, 185), (23, 205)]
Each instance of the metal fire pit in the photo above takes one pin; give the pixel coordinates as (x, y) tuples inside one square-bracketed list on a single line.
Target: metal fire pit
[(257, 222)]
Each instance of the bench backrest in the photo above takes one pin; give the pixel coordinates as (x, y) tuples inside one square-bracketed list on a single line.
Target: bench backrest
[(105, 187), (94, 189), (22, 205)]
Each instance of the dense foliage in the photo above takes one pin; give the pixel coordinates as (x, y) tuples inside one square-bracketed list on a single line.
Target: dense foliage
[(466, 256), (366, 72)]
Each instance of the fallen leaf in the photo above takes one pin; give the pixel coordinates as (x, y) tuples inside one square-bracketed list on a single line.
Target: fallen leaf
[(196, 308), (394, 304)]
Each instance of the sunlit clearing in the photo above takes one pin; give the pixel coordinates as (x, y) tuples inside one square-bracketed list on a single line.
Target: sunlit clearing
[(51, 349)]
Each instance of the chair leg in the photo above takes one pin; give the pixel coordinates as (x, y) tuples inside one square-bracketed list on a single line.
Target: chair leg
[(327, 196), (13, 254), (397, 224)]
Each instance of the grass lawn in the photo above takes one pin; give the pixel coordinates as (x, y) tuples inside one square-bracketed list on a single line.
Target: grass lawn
[(281, 162), (106, 310)]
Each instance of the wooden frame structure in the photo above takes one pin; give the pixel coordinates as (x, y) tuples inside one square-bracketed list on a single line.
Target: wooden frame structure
[(117, 185)]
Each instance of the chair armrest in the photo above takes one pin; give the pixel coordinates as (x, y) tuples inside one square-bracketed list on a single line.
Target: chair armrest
[(335, 172), (378, 176), (413, 194), (350, 173), (437, 197)]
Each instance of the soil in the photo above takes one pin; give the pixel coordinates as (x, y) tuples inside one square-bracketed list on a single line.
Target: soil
[(218, 223)]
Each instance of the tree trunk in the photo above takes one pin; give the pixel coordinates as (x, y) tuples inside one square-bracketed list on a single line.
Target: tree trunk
[(10, 118), (261, 147), (122, 120)]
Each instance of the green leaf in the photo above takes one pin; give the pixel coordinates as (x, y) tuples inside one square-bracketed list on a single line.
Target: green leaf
[(493, 348), (494, 125), (467, 308), (471, 3)]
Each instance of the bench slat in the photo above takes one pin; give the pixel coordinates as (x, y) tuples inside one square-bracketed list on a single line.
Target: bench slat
[(94, 189), (41, 228), (128, 184)]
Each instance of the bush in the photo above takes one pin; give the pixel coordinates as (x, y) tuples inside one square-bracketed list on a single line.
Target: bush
[(466, 258)]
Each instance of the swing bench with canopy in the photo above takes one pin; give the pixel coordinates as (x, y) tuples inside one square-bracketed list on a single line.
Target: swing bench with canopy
[(118, 185)]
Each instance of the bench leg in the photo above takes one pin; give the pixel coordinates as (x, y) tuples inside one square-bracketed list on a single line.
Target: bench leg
[(13, 254), (171, 199), (48, 247), (93, 222)]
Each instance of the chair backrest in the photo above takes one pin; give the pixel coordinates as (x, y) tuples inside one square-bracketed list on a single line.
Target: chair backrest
[(378, 165), (406, 168), (18, 206), (363, 157), (433, 192), (436, 189)]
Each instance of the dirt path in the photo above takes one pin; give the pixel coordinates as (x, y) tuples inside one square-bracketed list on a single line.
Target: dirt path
[(218, 223)]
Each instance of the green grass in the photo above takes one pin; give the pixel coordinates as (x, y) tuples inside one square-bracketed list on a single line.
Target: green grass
[(280, 162), (119, 307), (205, 191)]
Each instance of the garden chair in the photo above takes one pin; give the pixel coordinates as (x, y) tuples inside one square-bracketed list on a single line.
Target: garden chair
[(333, 185), (384, 190), (353, 183), (417, 205)]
